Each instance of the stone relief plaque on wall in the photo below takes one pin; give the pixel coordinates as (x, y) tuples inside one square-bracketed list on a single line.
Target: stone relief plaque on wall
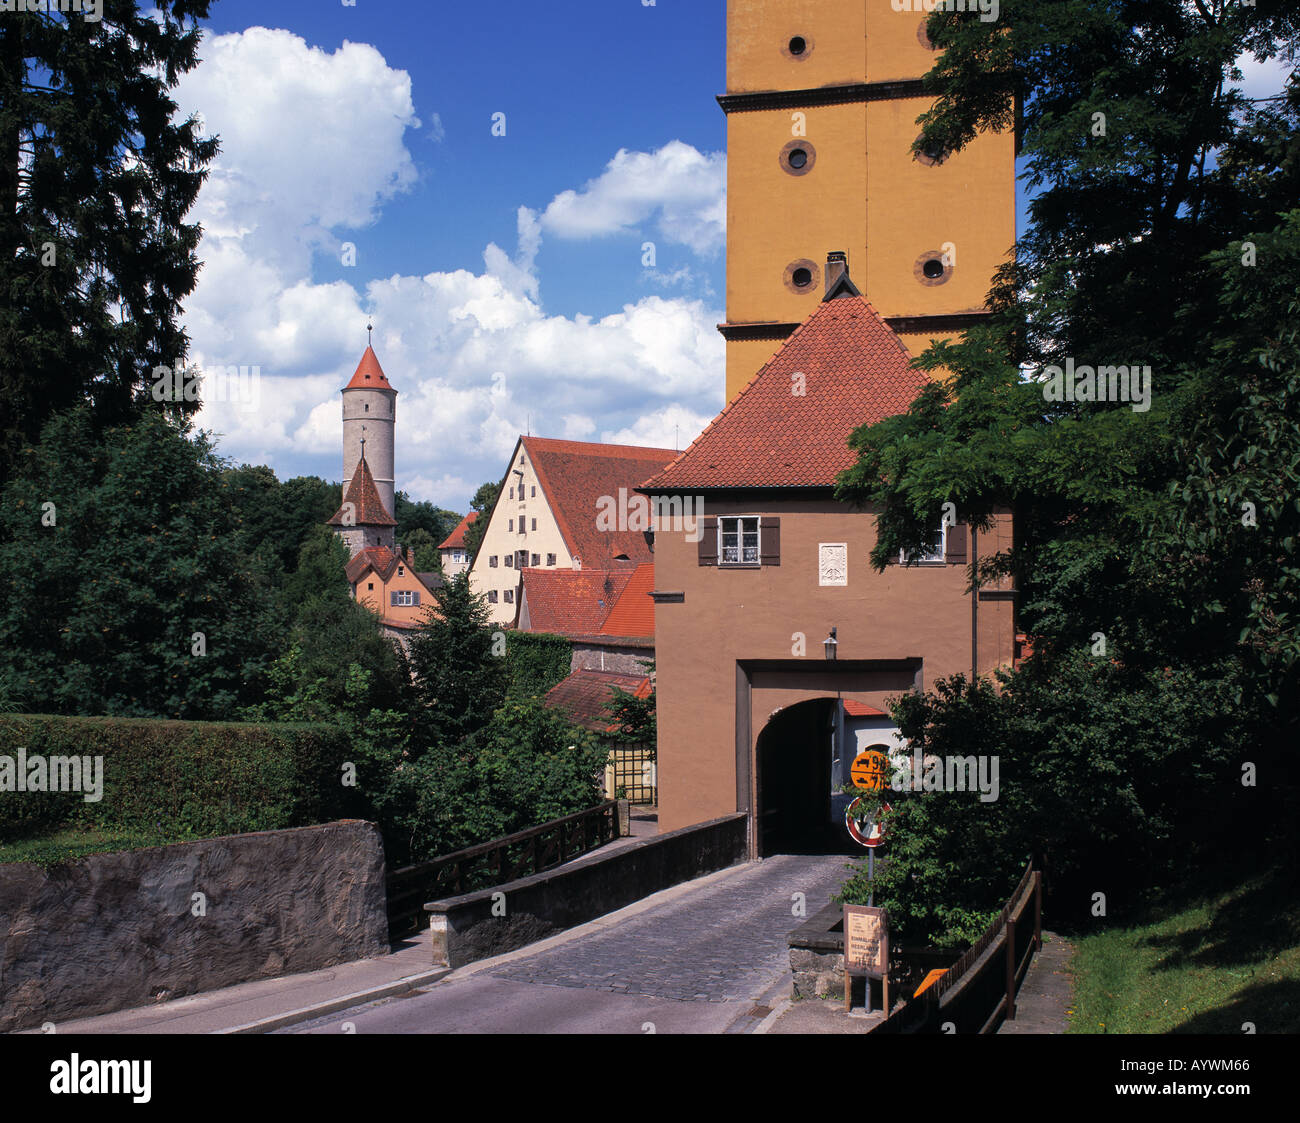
[(833, 563)]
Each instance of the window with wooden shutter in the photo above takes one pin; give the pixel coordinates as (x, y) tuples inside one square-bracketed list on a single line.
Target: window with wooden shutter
[(739, 540), (955, 552), (770, 539), (708, 543)]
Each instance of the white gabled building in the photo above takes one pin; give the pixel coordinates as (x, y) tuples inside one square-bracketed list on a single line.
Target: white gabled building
[(545, 516)]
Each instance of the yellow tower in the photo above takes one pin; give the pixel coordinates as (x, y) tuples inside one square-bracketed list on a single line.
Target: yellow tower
[(822, 100)]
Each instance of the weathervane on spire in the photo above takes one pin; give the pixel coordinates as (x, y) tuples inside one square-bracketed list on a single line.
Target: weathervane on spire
[(369, 328), (363, 442)]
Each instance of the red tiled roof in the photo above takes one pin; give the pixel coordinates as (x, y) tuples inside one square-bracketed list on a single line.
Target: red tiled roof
[(855, 372), (633, 613), (585, 694), (369, 374), (369, 509), (569, 601), (456, 539), (575, 475), (861, 709), (379, 558)]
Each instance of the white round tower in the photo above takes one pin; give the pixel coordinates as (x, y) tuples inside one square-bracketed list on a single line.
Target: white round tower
[(370, 413)]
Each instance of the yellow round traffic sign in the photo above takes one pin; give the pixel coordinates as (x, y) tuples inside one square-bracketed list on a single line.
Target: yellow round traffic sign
[(869, 770)]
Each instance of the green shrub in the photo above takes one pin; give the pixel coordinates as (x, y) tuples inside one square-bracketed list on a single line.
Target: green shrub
[(535, 662), (183, 778)]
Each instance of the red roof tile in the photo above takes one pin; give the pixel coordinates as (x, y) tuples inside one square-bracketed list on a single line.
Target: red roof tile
[(633, 613), (379, 558), (369, 374), (569, 601), (456, 539), (585, 694), (368, 508), (575, 475), (861, 709), (855, 372)]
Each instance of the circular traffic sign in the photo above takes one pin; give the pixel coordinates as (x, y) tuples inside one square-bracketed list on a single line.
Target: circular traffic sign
[(869, 770), (865, 819)]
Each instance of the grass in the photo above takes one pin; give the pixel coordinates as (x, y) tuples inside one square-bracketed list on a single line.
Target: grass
[(68, 844), (1207, 965)]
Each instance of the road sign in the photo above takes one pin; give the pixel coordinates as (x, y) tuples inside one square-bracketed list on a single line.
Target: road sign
[(865, 819), (869, 770), (866, 950)]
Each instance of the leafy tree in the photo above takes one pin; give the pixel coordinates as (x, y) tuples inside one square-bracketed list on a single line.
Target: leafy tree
[(1128, 523), (303, 504), (425, 550), (525, 766), (460, 677), (319, 573), (484, 500), (634, 717), (422, 515), (95, 181), (127, 589)]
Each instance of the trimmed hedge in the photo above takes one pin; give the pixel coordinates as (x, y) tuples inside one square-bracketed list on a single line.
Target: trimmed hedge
[(184, 778), (535, 662)]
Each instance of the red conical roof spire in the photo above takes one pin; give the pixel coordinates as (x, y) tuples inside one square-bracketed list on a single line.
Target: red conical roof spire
[(370, 375)]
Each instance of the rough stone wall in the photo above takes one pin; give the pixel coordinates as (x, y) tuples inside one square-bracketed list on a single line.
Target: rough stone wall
[(115, 931), (618, 660)]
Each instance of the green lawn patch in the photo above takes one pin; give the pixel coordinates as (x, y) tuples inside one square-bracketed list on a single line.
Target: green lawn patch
[(1201, 966)]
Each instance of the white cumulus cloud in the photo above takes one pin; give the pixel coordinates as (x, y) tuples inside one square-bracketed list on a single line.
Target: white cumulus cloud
[(313, 144), (679, 189)]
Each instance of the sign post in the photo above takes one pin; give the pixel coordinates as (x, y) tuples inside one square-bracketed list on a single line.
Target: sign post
[(866, 951)]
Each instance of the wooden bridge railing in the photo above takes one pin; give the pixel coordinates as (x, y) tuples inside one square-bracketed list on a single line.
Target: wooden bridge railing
[(494, 863), (978, 991)]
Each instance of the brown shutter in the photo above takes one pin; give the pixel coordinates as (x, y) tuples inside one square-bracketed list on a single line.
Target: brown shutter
[(956, 550), (769, 541), (708, 543)]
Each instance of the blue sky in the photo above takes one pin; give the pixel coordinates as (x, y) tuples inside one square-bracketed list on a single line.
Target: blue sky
[(504, 273), (577, 80), (359, 176)]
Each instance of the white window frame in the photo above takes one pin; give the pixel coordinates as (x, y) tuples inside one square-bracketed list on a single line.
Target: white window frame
[(740, 562), (937, 558)]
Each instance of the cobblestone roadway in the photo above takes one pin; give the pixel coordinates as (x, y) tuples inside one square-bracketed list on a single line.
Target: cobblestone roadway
[(723, 943)]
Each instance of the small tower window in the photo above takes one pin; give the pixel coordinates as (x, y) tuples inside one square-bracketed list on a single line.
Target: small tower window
[(798, 47), (932, 269), (801, 275), (367, 407), (797, 157)]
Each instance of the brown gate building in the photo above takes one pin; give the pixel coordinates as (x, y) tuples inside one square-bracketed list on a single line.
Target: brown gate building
[(750, 706)]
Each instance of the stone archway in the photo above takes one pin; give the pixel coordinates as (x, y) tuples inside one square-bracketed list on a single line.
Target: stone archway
[(794, 781)]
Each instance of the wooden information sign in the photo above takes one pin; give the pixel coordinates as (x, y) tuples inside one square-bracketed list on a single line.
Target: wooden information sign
[(866, 948)]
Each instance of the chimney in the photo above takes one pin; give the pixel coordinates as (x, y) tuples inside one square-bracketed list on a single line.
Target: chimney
[(837, 264)]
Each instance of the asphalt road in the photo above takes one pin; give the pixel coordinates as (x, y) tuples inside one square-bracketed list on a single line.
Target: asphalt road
[(704, 957)]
